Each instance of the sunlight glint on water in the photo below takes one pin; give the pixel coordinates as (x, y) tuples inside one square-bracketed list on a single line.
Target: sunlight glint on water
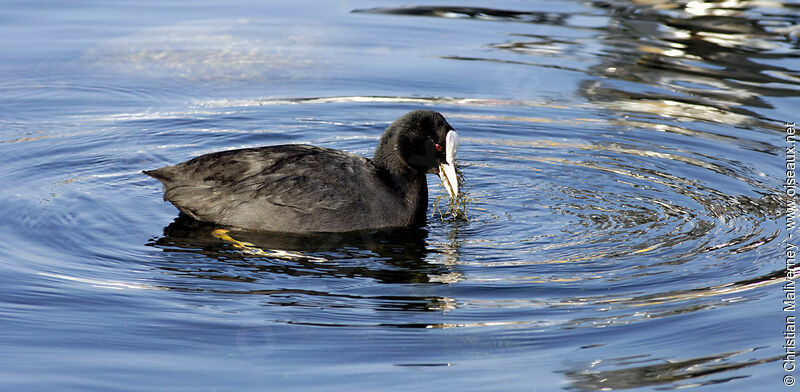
[(624, 164)]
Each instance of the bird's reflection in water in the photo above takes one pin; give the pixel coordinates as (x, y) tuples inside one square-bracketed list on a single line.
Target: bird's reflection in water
[(232, 261), (646, 371)]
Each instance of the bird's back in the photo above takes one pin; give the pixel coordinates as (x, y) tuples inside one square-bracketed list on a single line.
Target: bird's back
[(294, 188)]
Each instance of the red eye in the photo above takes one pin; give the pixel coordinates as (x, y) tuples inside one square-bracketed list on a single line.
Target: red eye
[(438, 147)]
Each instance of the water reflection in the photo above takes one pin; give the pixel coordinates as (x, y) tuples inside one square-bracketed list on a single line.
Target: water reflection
[(699, 61), (626, 233), (643, 371), (653, 208), (285, 264), (708, 59), (481, 13)]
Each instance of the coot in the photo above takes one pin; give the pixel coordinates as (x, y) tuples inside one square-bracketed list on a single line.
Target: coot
[(301, 188)]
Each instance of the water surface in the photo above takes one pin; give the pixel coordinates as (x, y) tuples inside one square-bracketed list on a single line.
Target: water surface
[(625, 161)]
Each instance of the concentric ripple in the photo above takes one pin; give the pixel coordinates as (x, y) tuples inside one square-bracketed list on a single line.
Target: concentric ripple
[(593, 209), (624, 163)]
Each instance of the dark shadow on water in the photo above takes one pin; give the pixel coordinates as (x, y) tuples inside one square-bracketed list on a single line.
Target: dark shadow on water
[(390, 256), (483, 13), (644, 371)]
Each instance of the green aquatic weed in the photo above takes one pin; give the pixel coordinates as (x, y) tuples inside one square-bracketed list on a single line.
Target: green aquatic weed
[(456, 206)]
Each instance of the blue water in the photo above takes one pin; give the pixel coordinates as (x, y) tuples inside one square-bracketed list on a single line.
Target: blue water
[(625, 163)]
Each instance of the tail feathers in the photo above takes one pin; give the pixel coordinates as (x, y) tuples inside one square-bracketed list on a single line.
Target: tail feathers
[(165, 174), (158, 174), (162, 176)]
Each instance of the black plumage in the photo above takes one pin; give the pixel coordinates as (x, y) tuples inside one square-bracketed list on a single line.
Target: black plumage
[(301, 188)]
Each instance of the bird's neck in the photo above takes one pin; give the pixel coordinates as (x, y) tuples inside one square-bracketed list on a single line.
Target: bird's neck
[(417, 199), (404, 180)]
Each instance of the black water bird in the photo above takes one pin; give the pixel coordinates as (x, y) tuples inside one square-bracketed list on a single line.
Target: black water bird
[(301, 188)]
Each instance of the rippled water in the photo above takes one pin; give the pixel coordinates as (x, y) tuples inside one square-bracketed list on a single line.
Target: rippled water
[(625, 162)]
